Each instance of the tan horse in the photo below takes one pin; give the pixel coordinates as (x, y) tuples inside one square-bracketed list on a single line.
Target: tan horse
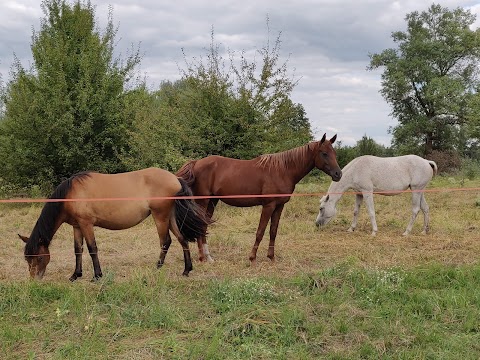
[(267, 174), (144, 192)]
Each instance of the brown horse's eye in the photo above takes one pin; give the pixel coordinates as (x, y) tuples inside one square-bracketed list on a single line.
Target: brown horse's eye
[(325, 154)]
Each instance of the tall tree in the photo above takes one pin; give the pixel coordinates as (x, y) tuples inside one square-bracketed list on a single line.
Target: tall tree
[(427, 78), (259, 114), (67, 113), (235, 107)]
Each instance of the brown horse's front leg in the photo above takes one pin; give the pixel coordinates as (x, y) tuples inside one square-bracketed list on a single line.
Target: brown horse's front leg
[(78, 248), (275, 220), (267, 211)]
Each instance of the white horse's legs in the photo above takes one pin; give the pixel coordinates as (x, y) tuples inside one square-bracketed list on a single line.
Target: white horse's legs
[(356, 210), (416, 204), (371, 211), (426, 217)]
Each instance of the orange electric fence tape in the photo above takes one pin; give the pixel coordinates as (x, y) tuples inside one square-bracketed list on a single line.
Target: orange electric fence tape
[(223, 197), (31, 200)]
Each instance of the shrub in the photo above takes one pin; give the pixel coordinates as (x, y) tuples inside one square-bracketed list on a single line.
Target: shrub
[(447, 161)]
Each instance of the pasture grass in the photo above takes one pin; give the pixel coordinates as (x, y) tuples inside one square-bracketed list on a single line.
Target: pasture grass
[(329, 294)]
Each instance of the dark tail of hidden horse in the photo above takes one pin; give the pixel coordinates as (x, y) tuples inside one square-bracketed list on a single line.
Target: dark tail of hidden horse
[(191, 218)]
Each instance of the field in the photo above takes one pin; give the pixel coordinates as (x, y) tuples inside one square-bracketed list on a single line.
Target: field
[(329, 294)]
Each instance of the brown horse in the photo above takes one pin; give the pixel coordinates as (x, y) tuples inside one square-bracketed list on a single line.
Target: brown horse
[(267, 174), (144, 192)]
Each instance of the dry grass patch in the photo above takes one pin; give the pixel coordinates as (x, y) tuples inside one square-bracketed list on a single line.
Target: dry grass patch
[(300, 246)]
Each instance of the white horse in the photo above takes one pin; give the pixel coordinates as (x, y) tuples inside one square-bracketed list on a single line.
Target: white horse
[(392, 175)]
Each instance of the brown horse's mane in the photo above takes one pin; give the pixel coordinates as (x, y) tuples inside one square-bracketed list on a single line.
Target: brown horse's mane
[(42, 233), (282, 160)]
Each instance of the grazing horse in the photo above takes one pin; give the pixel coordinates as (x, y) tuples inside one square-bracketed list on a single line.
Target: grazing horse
[(269, 174), (89, 201), (387, 176)]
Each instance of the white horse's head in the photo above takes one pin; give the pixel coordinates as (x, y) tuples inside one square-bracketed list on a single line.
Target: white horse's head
[(327, 211)]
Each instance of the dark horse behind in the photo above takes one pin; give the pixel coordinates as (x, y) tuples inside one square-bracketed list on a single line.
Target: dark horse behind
[(265, 175), (117, 201)]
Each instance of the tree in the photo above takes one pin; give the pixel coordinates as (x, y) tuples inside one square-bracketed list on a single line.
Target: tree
[(428, 78), (68, 113), (236, 108), (368, 146), (259, 115), (345, 153)]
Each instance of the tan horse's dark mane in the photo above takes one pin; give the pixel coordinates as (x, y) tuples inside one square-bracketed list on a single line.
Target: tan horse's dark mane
[(283, 160), (42, 233)]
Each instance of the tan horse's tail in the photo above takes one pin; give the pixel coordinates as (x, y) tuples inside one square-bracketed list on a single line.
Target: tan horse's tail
[(191, 219), (434, 167), (186, 173)]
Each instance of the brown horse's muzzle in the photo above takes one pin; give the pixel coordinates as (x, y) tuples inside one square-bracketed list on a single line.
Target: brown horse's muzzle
[(336, 175)]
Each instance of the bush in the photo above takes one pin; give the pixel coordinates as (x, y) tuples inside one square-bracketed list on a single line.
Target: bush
[(448, 162), (470, 169)]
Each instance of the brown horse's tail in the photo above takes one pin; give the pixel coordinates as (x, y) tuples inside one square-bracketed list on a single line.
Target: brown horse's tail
[(191, 219), (186, 173)]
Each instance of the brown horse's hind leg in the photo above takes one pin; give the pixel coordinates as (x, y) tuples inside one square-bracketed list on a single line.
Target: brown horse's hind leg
[(78, 247), (273, 230), (210, 210), (87, 231), (164, 246), (203, 252), (186, 251), (267, 212)]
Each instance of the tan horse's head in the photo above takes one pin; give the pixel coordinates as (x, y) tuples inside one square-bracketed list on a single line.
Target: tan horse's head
[(326, 157), (37, 260)]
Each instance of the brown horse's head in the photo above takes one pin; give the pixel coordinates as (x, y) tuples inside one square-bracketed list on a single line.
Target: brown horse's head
[(326, 157), (37, 259)]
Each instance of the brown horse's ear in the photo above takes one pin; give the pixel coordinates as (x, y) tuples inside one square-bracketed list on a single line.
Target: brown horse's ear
[(323, 139), (24, 238), (332, 140)]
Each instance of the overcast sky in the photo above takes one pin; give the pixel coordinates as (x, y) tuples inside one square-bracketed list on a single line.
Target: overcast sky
[(327, 43)]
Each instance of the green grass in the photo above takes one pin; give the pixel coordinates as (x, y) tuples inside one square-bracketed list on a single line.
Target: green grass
[(342, 312), (330, 294)]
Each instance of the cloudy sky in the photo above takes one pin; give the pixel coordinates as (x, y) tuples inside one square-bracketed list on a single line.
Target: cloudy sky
[(326, 42)]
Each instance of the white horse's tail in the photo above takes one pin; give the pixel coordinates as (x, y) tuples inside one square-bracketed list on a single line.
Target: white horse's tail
[(434, 166)]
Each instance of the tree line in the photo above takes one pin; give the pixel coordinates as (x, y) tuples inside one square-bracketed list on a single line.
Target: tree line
[(81, 108)]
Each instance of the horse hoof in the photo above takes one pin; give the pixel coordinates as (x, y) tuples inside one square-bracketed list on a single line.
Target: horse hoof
[(74, 277), (159, 265), (185, 273), (96, 278), (210, 259)]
